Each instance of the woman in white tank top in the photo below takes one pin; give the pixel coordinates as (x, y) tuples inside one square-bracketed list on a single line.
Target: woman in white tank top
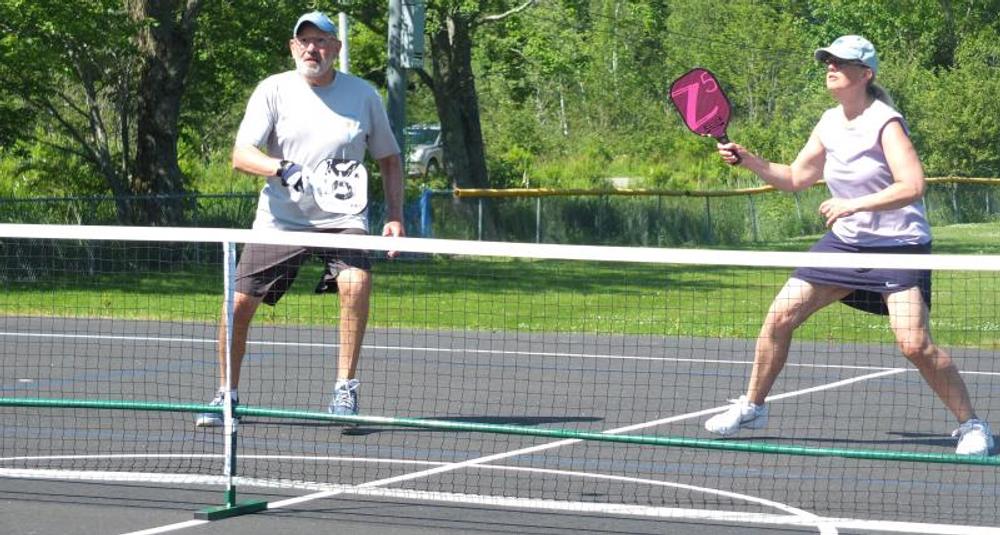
[(876, 181)]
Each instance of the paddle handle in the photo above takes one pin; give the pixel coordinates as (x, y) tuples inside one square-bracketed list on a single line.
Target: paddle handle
[(725, 139)]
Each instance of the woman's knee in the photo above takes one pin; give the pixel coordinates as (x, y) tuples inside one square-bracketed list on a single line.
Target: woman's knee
[(780, 322), (922, 352)]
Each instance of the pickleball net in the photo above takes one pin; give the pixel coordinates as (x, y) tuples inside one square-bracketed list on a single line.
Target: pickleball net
[(567, 378)]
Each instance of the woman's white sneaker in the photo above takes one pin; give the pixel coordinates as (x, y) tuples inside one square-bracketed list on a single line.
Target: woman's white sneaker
[(741, 415)]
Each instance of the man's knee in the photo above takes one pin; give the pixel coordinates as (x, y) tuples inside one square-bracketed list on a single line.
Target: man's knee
[(354, 283), (244, 308)]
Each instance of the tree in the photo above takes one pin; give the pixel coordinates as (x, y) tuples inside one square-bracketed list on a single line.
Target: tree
[(451, 25), (67, 71), (104, 85), (956, 127), (166, 46), (113, 95)]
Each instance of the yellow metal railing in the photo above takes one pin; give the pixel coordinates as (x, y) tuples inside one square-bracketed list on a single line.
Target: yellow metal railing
[(473, 193)]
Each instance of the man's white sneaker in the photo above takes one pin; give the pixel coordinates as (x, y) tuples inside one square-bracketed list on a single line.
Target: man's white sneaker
[(345, 398), (974, 438), (741, 415), (214, 419)]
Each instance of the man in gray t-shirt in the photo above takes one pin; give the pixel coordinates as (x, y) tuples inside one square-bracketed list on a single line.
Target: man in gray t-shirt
[(307, 132)]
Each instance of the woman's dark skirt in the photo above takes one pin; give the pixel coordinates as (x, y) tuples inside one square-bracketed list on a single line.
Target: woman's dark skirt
[(870, 285)]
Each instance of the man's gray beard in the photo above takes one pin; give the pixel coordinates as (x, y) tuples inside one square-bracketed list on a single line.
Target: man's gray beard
[(310, 70)]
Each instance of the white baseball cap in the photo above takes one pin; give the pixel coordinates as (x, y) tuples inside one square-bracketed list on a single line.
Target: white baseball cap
[(851, 48)]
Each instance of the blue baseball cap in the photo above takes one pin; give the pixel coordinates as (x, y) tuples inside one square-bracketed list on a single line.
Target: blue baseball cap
[(317, 19), (851, 48)]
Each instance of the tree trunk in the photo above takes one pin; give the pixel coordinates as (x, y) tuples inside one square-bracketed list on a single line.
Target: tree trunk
[(166, 45), (944, 54), (457, 103)]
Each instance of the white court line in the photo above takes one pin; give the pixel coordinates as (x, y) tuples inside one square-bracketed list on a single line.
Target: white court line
[(817, 521), (111, 456), (642, 511), (172, 527), (396, 493), (542, 447), (739, 517), (451, 350)]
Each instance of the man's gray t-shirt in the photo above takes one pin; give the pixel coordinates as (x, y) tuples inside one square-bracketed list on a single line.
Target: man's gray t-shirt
[(291, 120), (856, 166)]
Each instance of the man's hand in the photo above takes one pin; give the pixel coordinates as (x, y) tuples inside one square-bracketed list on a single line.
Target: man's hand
[(293, 177), (393, 229)]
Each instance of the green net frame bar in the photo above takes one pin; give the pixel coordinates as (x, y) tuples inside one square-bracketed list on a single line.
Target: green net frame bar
[(649, 440)]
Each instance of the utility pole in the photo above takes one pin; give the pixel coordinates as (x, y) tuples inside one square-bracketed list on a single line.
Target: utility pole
[(345, 55), (406, 51), (395, 76)]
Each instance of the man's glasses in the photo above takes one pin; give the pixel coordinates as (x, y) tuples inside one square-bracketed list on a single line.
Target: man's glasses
[(318, 42)]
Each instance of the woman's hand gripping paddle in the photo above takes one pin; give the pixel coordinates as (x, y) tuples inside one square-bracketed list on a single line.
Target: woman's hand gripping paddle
[(698, 97)]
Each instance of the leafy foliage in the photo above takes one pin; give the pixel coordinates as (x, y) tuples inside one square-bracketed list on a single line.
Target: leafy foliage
[(576, 74), (571, 92), (958, 126), (66, 79)]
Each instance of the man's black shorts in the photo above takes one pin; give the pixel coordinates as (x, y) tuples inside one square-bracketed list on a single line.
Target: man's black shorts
[(268, 271)]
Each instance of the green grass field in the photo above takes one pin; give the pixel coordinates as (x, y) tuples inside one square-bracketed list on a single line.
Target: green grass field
[(535, 296)]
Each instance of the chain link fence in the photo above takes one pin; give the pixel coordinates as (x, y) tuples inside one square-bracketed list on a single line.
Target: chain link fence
[(669, 219), (620, 217), (217, 210)]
